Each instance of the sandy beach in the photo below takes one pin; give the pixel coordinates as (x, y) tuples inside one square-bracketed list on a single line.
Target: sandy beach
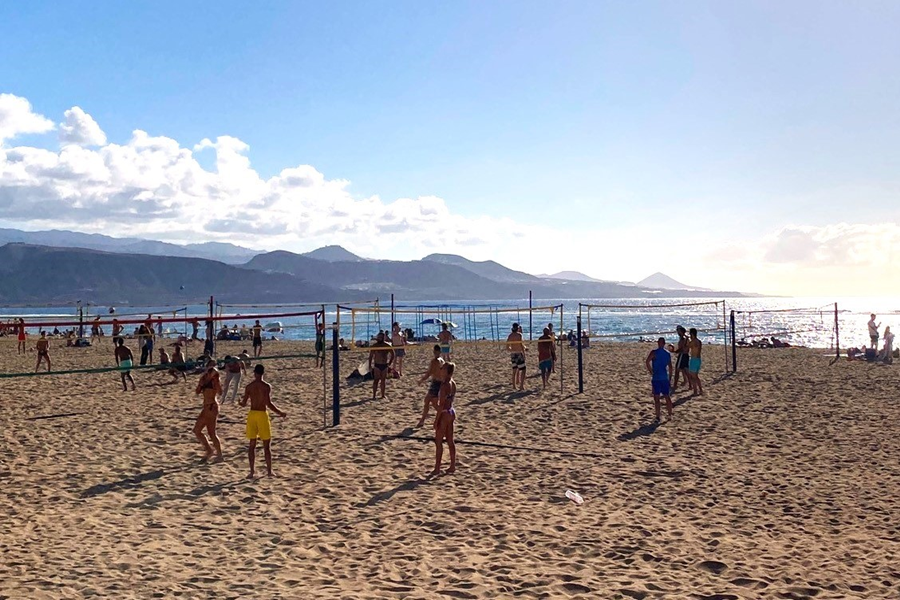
[(781, 482)]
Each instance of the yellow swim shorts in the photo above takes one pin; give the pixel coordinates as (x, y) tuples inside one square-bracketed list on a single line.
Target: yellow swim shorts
[(258, 425)]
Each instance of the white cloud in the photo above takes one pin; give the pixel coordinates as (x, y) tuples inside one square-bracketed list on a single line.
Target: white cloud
[(840, 244), (81, 129), (153, 186), (16, 118)]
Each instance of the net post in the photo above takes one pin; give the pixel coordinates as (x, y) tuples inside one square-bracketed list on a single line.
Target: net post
[(210, 334), (837, 334), (530, 318), (562, 308), (724, 334), (335, 378), (580, 359), (733, 346), (392, 312)]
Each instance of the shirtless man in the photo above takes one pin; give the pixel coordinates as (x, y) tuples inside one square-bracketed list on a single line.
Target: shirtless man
[(43, 351), (124, 360), (177, 363), (320, 345), (116, 332), (234, 369), (873, 331), (434, 388), (398, 340), (259, 393), (445, 337), (211, 388), (695, 348), (257, 339), (381, 357), (681, 358), (22, 337), (516, 356), (546, 355)]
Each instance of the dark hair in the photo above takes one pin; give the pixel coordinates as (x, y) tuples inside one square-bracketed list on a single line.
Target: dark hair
[(437, 347), (259, 369), (515, 326), (693, 331), (680, 329), (450, 368), (443, 326)]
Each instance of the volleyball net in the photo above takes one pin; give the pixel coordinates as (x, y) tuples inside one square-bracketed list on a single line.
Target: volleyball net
[(647, 322), (815, 326), (468, 324)]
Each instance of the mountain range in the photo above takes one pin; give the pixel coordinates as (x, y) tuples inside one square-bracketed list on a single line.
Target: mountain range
[(53, 267)]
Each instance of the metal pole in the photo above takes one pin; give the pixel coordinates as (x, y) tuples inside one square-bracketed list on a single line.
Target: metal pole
[(392, 312), (210, 333), (530, 323), (837, 334), (335, 378), (733, 346), (562, 350), (324, 373), (724, 334), (580, 360)]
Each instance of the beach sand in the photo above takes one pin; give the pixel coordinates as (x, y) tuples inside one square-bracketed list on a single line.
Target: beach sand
[(781, 482)]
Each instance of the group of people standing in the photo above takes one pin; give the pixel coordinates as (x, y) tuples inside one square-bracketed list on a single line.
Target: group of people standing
[(664, 377), (886, 354)]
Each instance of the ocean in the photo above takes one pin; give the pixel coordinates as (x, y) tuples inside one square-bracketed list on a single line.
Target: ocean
[(808, 321)]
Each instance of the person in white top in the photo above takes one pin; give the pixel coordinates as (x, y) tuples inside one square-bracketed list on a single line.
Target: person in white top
[(873, 331)]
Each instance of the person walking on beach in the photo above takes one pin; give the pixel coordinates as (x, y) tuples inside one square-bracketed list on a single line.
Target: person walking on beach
[(257, 339), (443, 422), (434, 388), (695, 349), (124, 360), (20, 348), (659, 365), (43, 351), (516, 356), (211, 388), (234, 368), (873, 332), (259, 393), (445, 337), (681, 358), (381, 357), (195, 327), (398, 340), (546, 355)]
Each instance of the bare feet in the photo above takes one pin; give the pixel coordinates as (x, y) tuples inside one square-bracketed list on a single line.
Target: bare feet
[(251, 475), (450, 471), (435, 473), (420, 423), (270, 474)]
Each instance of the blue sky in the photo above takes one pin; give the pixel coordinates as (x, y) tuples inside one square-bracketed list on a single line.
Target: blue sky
[(768, 131)]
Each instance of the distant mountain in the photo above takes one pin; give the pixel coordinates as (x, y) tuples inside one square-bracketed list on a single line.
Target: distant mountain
[(228, 253), (571, 276), (333, 254), (661, 281), (487, 268), (44, 275)]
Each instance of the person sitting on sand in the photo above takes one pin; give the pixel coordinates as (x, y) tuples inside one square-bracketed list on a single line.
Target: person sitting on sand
[(443, 422), (659, 365), (164, 357), (546, 355), (178, 366), (211, 388), (434, 388), (516, 349), (43, 351), (124, 360), (259, 393), (695, 349), (381, 356)]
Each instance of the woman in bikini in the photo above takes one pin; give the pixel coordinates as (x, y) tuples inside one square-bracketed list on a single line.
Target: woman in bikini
[(434, 371), (211, 388), (443, 423)]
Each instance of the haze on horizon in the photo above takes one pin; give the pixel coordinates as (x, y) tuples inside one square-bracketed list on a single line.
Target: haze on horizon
[(747, 146)]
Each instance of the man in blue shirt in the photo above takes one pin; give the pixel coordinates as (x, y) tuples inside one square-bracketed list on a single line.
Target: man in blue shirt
[(659, 365)]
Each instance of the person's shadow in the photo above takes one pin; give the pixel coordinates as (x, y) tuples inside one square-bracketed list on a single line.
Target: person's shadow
[(641, 431)]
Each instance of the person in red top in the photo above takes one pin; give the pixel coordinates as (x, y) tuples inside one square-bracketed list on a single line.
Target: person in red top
[(21, 334)]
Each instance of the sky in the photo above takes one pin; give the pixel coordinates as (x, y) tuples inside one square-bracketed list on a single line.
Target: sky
[(749, 146)]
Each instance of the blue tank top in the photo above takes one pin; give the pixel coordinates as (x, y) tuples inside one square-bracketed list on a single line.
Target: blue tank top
[(661, 360)]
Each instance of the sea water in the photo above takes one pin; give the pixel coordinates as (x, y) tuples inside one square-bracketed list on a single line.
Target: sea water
[(799, 321)]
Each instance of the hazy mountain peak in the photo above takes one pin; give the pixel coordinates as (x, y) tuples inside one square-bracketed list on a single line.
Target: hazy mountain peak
[(333, 253), (661, 281)]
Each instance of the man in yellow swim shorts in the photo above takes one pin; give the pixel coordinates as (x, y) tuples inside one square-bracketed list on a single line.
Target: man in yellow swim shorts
[(259, 393)]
